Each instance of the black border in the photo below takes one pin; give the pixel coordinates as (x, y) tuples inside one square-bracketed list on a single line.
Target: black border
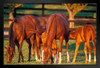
[(51, 1)]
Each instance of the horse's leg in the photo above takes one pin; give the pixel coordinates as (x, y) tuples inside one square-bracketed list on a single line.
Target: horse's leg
[(54, 45), (85, 51), (31, 50), (37, 47), (89, 48), (17, 43), (52, 60), (94, 49), (67, 46), (56, 58), (76, 50), (60, 48), (29, 46), (20, 46)]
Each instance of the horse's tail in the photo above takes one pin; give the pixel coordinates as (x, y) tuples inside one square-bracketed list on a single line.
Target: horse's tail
[(93, 33), (11, 36)]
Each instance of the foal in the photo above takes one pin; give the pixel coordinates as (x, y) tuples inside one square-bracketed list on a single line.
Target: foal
[(84, 34)]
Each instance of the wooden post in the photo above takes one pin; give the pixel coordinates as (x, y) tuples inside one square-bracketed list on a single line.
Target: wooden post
[(42, 9), (14, 12), (10, 14)]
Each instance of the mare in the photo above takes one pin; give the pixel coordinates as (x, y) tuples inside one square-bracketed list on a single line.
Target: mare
[(23, 28), (57, 27), (84, 34), (43, 21)]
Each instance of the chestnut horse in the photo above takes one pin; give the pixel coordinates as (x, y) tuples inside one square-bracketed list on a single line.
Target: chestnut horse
[(54, 46), (43, 21), (19, 31), (84, 34), (57, 28)]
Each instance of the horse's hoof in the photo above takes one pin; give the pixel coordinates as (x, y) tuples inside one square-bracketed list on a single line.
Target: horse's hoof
[(22, 60), (38, 60), (72, 62), (18, 61), (89, 61), (86, 62), (28, 60), (55, 62), (59, 63), (68, 61), (94, 61)]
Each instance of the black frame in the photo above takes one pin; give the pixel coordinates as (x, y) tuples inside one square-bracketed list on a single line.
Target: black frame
[(50, 1)]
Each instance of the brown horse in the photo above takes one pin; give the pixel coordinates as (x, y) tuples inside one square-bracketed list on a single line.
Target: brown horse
[(19, 31), (57, 28), (84, 34), (54, 46), (43, 21)]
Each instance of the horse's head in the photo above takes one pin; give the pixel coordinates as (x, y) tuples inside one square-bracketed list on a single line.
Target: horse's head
[(9, 54), (46, 54)]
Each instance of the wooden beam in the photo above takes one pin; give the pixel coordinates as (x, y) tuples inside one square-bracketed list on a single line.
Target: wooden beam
[(77, 21), (84, 21), (64, 10), (42, 9)]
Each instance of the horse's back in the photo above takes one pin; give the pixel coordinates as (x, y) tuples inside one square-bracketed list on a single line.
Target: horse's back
[(28, 24), (57, 25), (89, 31)]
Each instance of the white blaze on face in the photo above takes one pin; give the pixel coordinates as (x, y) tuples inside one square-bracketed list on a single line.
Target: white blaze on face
[(95, 58), (68, 60), (89, 58), (59, 57), (42, 54)]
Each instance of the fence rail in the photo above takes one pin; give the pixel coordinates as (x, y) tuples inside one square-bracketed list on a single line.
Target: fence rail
[(64, 10), (91, 20), (76, 21), (43, 9), (6, 33)]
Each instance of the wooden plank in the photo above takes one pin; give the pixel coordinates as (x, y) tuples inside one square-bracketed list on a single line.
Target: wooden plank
[(90, 17), (7, 19), (6, 34), (92, 4), (78, 21), (84, 21), (6, 28), (64, 10)]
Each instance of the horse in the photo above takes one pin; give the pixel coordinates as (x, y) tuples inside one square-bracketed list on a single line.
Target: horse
[(43, 21), (57, 28), (20, 29), (54, 46), (84, 34)]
